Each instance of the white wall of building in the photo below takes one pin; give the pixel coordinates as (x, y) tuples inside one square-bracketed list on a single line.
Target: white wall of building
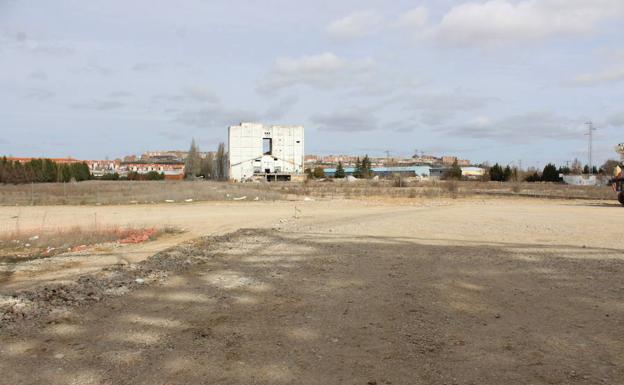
[(245, 148)]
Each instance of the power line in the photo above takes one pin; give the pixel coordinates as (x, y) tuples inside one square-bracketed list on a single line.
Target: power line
[(590, 134)]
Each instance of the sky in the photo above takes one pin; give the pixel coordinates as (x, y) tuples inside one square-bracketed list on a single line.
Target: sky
[(501, 81)]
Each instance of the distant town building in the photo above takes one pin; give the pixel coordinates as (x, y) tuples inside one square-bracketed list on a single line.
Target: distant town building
[(329, 161), (407, 171), (67, 160), (172, 171), (168, 156), (99, 168), (312, 159)]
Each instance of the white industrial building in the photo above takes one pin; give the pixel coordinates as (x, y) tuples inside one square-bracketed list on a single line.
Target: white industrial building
[(271, 153)]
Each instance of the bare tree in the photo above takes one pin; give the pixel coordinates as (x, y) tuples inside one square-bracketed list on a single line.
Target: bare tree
[(207, 166), (576, 168), (221, 163), (193, 161)]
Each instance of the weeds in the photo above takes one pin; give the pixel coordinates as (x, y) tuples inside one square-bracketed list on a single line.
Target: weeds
[(28, 245)]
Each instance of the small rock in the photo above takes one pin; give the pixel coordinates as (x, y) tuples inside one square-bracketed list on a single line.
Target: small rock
[(497, 315), (59, 356)]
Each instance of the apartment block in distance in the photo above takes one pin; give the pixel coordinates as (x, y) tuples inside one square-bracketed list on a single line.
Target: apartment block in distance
[(271, 153)]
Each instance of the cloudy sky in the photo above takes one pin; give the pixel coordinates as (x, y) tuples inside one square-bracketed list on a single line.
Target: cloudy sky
[(498, 80)]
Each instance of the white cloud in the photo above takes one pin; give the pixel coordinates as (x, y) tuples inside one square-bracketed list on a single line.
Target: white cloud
[(346, 120), (505, 20), (281, 108), (201, 94), (198, 94), (610, 75), (325, 70), (99, 105), (452, 101), (214, 116), (355, 25), (414, 18), (39, 94), (522, 128), (616, 120)]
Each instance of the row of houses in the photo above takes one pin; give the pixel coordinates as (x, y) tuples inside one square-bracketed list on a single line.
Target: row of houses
[(349, 160), (414, 171), (173, 170)]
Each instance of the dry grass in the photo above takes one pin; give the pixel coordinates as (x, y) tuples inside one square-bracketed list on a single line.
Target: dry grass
[(392, 188), (127, 192), (123, 192), (32, 244)]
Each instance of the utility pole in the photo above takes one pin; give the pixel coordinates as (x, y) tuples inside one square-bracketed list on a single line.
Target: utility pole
[(590, 134)]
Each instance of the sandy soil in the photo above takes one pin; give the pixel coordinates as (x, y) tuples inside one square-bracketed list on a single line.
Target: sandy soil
[(494, 291)]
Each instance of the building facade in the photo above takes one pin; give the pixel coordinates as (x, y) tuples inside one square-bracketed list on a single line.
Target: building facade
[(264, 152)]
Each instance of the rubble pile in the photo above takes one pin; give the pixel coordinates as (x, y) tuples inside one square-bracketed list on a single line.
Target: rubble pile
[(113, 281)]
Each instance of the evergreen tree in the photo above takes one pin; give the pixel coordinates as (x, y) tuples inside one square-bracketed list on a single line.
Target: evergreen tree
[(340, 172), (50, 171), (65, 174), (507, 174), (550, 173), (366, 169), (496, 173), (357, 171), (455, 172)]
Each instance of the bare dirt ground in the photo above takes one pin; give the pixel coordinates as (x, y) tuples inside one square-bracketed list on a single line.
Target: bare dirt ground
[(468, 291)]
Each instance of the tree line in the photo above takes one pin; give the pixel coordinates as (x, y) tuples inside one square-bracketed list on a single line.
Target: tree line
[(550, 173), (41, 171), (213, 166), (362, 169)]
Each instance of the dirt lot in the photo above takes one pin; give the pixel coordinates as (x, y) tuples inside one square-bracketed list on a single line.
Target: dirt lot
[(468, 291)]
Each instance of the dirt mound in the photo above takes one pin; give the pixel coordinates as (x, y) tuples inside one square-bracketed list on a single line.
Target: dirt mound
[(55, 300)]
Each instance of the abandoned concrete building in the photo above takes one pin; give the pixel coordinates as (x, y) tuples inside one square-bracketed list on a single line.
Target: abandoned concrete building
[(272, 153)]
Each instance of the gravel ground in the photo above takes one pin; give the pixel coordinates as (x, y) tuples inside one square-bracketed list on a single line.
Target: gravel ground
[(515, 295)]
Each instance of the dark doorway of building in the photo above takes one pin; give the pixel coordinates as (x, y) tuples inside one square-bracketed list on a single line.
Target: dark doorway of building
[(267, 146)]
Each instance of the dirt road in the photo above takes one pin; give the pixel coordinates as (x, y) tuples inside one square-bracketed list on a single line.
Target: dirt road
[(466, 292)]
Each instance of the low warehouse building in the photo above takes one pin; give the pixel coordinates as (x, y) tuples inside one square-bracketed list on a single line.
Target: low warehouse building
[(407, 171)]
